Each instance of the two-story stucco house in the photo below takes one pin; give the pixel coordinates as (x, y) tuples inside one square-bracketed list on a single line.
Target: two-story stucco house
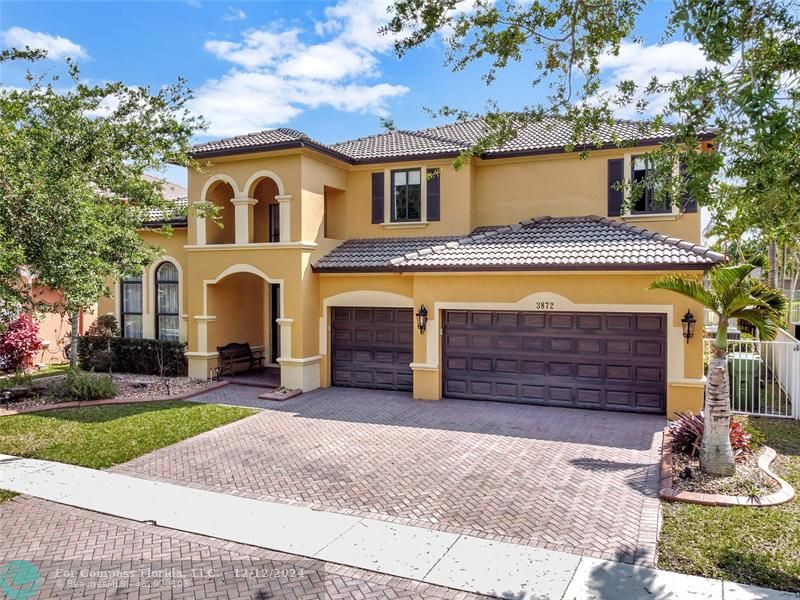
[(533, 279)]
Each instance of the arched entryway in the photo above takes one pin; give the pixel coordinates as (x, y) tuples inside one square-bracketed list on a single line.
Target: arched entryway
[(245, 305)]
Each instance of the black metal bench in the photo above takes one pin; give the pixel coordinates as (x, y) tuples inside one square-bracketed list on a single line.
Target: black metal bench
[(235, 354)]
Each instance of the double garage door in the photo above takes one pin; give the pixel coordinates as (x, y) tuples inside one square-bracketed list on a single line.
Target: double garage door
[(611, 361)]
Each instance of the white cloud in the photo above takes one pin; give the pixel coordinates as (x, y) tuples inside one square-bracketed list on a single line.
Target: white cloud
[(234, 14), (330, 61), (57, 47), (246, 101), (279, 72), (257, 48), (640, 63)]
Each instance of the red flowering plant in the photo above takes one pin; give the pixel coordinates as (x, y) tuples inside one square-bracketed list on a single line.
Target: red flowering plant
[(19, 343)]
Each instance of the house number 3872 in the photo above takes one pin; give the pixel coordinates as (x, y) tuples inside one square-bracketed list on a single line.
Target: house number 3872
[(545, 305)]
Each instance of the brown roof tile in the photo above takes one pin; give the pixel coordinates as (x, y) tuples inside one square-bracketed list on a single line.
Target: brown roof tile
[(540, 243)]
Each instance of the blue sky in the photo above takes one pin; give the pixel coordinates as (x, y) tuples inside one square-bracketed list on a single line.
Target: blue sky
[(315, 66)]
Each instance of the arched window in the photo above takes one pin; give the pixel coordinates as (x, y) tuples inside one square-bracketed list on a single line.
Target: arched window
[(131, 307), (167, 305)]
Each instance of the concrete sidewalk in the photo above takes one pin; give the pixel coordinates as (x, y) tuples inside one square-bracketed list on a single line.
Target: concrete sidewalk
[(460, 562)]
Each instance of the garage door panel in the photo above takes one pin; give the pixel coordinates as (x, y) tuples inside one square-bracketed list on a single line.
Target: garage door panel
[(589, 360), (533, 320), (372, 347), (562, 345), (589, 322), (589, 371), (590, 346), (590, 396)]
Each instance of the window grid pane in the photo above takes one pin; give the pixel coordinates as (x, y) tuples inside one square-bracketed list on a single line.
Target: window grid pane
[(407, 195)]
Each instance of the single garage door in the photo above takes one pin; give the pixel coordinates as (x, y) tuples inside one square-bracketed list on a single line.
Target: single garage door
[(611, 361), (371, 347)]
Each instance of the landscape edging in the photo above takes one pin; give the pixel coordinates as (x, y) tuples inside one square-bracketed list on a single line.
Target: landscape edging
[(667, 492), (112, 401)]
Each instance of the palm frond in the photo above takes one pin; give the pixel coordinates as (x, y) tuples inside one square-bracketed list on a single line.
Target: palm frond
[(687, 286), (725, 281), (767, 327)]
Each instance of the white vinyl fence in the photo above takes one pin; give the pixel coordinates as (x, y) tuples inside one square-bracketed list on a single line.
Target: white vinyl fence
[(765, 376)]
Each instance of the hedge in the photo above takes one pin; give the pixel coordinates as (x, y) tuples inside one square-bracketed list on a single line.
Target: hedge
[(128, 355)]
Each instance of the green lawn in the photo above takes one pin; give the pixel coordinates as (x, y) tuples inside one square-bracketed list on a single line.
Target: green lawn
[(757, 546), (103, 436)]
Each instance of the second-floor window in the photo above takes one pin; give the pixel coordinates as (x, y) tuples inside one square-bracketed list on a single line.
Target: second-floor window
[(650, 196), (406, 195), (131, 309)]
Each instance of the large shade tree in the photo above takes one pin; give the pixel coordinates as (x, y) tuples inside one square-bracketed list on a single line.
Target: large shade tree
[(731, 293), (746, 90), (72, 191)]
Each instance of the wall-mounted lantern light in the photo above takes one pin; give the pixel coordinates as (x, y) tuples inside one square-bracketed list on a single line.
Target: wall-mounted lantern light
[(688, 321), (422, 318)]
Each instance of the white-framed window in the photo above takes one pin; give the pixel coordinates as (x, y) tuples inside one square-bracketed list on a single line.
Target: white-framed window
[(405, 189), (167, 302), (131, 307)]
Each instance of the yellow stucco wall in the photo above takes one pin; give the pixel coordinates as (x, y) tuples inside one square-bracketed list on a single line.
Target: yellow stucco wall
[(511, 190)]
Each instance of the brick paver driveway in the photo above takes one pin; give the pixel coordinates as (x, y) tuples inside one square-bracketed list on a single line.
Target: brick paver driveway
[(81, 554), (565, 479)]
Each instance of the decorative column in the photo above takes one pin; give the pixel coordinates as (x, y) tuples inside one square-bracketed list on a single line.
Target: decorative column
[(285, 210), (199, 227), (201, 361), (244, 219)]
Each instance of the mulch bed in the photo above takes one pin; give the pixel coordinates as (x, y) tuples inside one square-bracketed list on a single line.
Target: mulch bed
[(130, 387), (748, 480), (754, 484)]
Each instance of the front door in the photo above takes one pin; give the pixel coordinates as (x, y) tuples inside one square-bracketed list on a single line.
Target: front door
[(275, 330)]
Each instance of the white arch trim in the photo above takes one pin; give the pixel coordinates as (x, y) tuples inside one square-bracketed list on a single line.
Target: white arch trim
[(259, 175), (240, 268), (358, 298), (221, 177)]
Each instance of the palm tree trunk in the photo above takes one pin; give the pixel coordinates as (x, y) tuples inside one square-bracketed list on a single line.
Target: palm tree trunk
[(716, 453)]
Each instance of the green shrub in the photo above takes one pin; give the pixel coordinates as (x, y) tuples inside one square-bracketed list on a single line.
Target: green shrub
[(127, 355), (81, 385), (16, 379)]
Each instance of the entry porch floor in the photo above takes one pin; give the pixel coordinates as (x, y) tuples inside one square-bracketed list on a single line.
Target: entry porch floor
[(266, 377)]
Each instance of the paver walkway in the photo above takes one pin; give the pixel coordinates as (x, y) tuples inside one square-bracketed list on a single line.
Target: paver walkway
[(578, 481), (63, 541), (462, 563)]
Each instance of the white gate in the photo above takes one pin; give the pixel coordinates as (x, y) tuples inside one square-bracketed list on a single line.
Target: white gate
[(765, 376)]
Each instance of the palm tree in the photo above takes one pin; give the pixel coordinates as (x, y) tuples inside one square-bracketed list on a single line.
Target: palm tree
[(731, 293)]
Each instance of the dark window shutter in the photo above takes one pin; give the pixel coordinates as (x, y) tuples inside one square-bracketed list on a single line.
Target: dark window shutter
[(377, 197), (688, 204), (433, 194), (616, 172)]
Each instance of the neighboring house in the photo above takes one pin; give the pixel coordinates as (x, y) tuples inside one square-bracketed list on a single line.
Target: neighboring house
[(54, 327), (535, 285)]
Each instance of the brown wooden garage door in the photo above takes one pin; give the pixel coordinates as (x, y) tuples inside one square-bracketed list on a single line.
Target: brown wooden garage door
[(372, 347), (610, 361)]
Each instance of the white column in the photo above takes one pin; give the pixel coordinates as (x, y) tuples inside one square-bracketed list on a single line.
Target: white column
[(199, 227), (285, 209), (244, 219), (286, 337)]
